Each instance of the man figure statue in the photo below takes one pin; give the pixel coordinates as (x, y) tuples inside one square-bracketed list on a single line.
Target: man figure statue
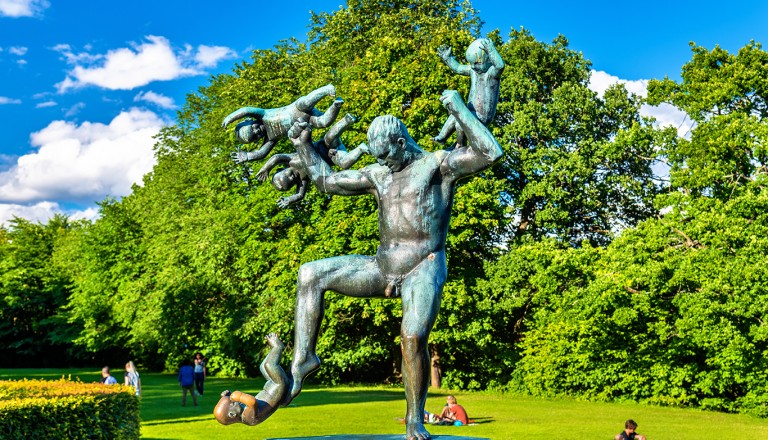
[(414, 190)]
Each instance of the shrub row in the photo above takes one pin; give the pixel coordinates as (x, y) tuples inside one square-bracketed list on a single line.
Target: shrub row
[(66, 409)]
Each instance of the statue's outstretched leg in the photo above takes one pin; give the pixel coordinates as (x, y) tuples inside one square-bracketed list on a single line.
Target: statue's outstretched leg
[(448, 128), (331, 138), (352, 275), (307, 102), (323, 120)]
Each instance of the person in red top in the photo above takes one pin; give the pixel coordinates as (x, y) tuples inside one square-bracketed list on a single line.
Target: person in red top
[(454, 412)]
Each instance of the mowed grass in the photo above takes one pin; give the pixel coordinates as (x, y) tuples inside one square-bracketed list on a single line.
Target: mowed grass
[(325, 411)]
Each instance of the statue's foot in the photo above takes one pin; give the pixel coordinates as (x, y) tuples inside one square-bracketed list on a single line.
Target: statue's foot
[(338, 102), (438, 139), (300, 370), (329, 90), (227, 411), (350, 119), (416, 431), (273, 340)]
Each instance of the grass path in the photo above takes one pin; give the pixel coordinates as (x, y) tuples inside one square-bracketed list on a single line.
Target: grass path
[(374, 410)]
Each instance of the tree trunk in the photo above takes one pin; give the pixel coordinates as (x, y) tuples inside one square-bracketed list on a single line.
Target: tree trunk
[(437, 372)]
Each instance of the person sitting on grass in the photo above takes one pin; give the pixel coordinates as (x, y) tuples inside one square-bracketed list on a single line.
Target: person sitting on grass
[(629, 432), (454, 413)]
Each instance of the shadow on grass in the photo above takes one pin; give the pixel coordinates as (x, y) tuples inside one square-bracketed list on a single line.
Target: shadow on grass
[(481, 420), (162, 397), (316, 397)]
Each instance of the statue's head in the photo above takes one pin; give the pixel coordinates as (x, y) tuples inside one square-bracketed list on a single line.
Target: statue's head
[(477, 57), (284, 179), (227, 411), (388, 141), (249, 131)]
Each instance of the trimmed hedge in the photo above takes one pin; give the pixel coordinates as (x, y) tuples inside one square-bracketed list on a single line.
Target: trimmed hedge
[(31, 409)]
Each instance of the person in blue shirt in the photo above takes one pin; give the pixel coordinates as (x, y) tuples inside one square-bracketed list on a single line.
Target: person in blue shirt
[(107, 378), (187, 382)]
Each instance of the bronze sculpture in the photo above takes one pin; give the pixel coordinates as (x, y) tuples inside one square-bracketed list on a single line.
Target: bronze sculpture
[(484, 70), (330, 148), (274, 123), (414, 191), (240, 407)]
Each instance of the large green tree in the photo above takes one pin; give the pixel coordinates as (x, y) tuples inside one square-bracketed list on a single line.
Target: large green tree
[(673, 311), (208, 262), (33, 328)]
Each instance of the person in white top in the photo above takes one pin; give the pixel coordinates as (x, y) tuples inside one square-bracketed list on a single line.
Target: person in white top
[(199, 373), (132, 377)]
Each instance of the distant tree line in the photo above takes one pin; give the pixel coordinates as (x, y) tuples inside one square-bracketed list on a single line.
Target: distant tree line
[(573, 268)]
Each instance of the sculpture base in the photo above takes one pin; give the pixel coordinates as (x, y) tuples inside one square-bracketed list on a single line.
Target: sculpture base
[(378, 437)]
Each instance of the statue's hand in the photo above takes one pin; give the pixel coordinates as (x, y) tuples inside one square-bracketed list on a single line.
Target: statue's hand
[(283, 202), (239, 156), (262, 175), (364, 147), (332, 153), (451, 100), (300, 132), (486, 44), (444, 52)]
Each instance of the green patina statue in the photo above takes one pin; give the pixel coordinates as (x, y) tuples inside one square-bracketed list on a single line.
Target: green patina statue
[(330, 148), (414, 190), (273, 124), (484, 71)]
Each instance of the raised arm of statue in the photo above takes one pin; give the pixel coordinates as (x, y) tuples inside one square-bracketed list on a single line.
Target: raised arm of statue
[(497, 63), (244, 112), (483, 148), (301, 191), (444, 52), (348, 183), (275, 160)]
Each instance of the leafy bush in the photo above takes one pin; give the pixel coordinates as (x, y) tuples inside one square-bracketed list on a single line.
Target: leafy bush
[(66, 409)]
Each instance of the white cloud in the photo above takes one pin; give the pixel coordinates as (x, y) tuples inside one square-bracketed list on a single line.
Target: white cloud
[(18, 50), (5, 100), (666, 115), (75, 109), (42, 212), (155, 98), (22, 8), (209, 56), (85, 162), (38, 212), (46, 104), (136, 66)]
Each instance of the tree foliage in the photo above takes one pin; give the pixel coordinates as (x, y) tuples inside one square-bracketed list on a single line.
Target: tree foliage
[(571, 270), (33, 329), (672, 312)]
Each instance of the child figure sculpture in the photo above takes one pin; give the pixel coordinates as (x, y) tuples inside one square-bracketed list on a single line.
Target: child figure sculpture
[(331, 150), (484, 70), (273, 124), (237, 407)]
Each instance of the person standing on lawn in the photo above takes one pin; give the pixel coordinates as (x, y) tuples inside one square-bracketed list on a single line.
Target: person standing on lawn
[(199, 373), (187, 382)]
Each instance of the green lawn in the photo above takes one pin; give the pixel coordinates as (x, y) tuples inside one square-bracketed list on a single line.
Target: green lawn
[(374, 410)]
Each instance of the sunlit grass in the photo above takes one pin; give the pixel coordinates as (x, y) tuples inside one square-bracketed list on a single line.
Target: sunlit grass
[(321, 411)]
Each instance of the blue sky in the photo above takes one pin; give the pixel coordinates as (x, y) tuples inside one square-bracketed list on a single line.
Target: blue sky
[(85, 84)]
